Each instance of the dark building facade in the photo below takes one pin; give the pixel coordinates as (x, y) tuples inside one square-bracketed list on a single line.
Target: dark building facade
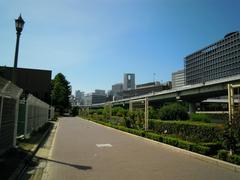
[(34, 81), (218, 60)]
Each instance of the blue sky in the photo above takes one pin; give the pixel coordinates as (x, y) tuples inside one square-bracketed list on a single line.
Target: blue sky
[(94, 42)]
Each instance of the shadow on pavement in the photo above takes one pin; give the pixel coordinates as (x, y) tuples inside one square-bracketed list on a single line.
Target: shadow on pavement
[(80, 167)]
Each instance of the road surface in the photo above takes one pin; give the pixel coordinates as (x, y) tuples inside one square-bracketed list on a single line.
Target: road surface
[(84, 150)]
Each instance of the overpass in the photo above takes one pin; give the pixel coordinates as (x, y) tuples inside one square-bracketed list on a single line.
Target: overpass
[(190, 93)]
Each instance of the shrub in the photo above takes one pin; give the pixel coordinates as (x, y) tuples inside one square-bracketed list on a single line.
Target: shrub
[(201, 149), (200, 117), (170, 140), (185, 145), (173, 111), (223, 154), (214, 147), (196, 132), (154, 136), (153, 113)]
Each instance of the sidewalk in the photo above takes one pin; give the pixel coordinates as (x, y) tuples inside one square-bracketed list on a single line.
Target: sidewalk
[(42, 155)]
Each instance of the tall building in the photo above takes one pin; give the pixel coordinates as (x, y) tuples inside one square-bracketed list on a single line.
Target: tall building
[(178, 79), (99, 96), (79, 97), (129, 81), (116, 88), (218, 60)]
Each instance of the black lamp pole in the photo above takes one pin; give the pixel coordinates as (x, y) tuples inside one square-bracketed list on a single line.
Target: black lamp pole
[(19, 23)]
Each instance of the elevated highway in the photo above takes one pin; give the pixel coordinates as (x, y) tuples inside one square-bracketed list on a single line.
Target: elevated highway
[(190, 93)]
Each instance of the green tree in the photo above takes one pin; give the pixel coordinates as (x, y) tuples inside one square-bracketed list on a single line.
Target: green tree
[(173, 111), (61, 91)]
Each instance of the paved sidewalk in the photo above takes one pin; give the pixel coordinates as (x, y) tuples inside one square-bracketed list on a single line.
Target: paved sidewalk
[(88, 151)]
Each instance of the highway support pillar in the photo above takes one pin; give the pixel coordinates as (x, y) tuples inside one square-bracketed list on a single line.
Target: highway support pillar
[(110, 110), (130, 106), (146, 114), (230, 103), (192, 108), (231, 88)]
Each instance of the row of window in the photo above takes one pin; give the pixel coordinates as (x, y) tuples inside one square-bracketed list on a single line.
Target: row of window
[(220, 43), (215, 55), (219, 59), (211, 75)]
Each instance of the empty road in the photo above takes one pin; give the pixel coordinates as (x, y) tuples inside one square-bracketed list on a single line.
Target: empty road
[(87, 151)]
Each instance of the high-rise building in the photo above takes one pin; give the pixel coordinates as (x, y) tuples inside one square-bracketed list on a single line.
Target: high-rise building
[(79, 97), (178, 79), (116, 88), (218, 60), (99, 96), (129, 81)]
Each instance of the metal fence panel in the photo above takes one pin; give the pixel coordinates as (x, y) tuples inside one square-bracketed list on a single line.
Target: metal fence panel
[(36, 114), (9, 95)]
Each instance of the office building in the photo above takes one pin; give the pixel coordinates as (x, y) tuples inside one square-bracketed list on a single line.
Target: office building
[(129, 81), (79, 97), (99, 96), (178, 79), (218, 60)]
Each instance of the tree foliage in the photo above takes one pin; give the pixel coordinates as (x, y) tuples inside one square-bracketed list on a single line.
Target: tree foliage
[(61, 91), (174, 111)]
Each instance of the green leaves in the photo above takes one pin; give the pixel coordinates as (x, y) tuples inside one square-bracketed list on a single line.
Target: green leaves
[(61, 91)]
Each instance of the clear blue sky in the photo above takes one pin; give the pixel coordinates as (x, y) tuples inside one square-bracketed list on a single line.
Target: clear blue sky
[(93, 42)]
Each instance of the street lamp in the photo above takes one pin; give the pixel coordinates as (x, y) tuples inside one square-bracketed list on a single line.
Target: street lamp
[(19, 23)]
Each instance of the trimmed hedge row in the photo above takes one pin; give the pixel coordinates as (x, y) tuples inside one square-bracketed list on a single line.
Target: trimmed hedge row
[(196, 132), (179, 143), (224, 155), (198, 148)]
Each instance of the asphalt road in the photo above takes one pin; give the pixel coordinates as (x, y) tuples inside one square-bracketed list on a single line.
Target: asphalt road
[(87, 151)]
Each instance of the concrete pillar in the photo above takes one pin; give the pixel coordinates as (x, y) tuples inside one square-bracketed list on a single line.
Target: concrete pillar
[(146, 113), (110, 110), (192, 108), (130, 106)]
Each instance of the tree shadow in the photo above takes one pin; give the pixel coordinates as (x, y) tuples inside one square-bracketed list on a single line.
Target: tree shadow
[(80, 167)]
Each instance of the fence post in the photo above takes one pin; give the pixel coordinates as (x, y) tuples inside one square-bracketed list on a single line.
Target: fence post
[(26, 119), (16, 122), (1, 108)]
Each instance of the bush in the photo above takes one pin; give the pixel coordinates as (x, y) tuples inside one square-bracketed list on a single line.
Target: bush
[(154, 136), (173, 112), (185, 145), (214, 147), (224, 155), (190, 131), (171, 141), (201, 149), (200, 117), (74, 111)]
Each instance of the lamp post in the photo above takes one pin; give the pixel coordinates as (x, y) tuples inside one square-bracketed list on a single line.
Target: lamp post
[(19, 23)]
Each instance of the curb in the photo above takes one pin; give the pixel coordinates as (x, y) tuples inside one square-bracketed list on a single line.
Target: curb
[(201, 157)]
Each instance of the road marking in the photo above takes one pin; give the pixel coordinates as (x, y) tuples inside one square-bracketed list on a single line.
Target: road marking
[(103, 145)]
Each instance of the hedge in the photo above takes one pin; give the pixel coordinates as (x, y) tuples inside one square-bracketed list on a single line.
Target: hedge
[(163, 138), (187, 130), (224, 155)]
